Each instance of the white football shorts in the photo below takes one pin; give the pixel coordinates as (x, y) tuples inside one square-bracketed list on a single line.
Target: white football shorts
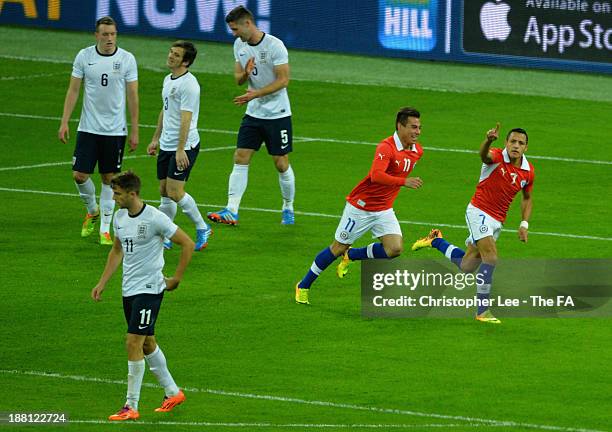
[(481, 225), (356, 222)]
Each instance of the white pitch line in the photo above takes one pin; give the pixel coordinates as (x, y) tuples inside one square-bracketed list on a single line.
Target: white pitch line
[(324, 215), (346, 82), (332, 140), (50, 164), (489, 422), (289, 425), (25, 77)]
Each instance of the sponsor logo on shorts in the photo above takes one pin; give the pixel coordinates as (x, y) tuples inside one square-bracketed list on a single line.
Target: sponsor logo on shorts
[(142, 327)]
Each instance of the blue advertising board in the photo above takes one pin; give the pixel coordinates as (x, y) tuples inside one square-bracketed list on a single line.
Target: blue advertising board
[(550, 34)]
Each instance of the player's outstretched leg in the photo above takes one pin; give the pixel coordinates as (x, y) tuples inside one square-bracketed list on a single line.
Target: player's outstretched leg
[(320, 263), (435, 240), (426, 241), (371, 251)]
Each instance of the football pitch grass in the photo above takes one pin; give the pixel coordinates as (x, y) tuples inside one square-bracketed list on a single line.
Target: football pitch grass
[(247, 356)]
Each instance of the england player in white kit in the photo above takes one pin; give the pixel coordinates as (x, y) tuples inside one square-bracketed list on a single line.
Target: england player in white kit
[(177, 139), (108, 72), (263, 62), (138, 244)]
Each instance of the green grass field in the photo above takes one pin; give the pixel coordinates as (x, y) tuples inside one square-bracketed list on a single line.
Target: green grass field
[(248, 357)]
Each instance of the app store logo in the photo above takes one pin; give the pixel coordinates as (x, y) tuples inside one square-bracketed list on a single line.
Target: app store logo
[(407, 24), (494, 20)]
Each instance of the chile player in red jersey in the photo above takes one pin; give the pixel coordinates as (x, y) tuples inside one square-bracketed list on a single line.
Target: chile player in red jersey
[(369, 206), (504, 173)]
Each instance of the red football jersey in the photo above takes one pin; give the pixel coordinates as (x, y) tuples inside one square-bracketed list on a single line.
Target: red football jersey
[(392, 164), (499, 182)]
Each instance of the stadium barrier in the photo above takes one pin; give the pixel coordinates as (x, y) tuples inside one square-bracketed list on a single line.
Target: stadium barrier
[(573, 35)]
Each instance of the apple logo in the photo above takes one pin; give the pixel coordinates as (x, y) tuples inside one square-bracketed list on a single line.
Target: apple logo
[(494, 20)]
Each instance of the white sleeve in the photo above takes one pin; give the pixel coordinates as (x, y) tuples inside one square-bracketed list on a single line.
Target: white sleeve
[(190, 97), (78, 71), (131, 74), (236, 50), (280, 55), (165, 226)]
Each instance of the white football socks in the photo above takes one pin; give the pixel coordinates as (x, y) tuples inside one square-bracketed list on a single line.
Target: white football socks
[(136, 370), (238, 181), (287, 185), (159, 367), (190, 208), (87, 191), (107, 206), (168, 207)]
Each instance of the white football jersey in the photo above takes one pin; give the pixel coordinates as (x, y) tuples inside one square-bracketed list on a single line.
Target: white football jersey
[(269, 52), (179, 94), (142, 238), (104, 80)]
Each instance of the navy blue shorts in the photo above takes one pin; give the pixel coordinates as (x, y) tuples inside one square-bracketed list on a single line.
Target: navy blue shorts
[(141, 312), (276, 133), (166, 164), (92, 149)]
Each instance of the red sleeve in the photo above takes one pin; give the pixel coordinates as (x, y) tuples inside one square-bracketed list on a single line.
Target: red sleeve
[(496, 155), (378, 170)]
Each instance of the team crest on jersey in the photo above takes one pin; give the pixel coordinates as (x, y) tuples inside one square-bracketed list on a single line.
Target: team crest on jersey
[(172, 91), (263, 55), (142, 231), (116, 66)]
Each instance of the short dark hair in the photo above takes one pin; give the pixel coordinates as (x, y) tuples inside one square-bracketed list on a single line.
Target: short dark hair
[(106, 20), (239, 13), (127, 180), (190, 51), (404, 113), (521, 131)]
